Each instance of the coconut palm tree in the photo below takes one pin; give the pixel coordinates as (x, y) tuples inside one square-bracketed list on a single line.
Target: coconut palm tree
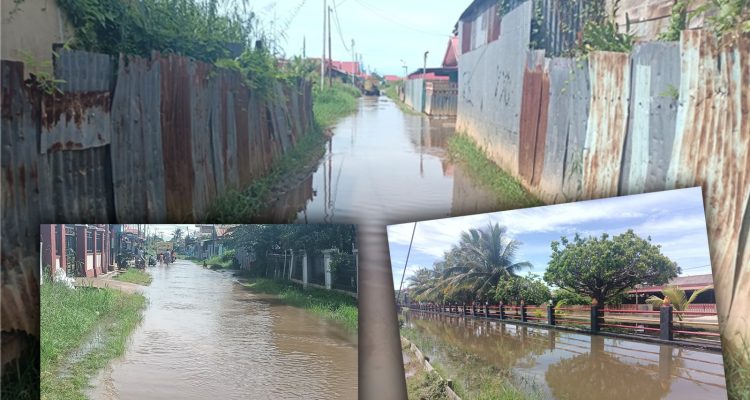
[(480, 259), (677, 298)]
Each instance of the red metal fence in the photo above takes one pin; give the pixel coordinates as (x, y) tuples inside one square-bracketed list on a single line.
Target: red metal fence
[(665, 324)]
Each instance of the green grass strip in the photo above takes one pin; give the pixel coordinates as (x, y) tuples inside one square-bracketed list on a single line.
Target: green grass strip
[(327, 303), (329, 105), (82, 329), (391, 91), (135, 276), (509, 191)]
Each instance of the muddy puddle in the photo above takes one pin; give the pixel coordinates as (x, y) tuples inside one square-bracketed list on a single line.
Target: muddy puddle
[(205, 336)]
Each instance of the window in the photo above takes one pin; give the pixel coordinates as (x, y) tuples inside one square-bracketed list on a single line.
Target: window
[(89, 241), (99, 236), (58, 239)]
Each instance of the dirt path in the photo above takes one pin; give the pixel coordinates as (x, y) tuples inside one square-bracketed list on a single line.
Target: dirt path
[(107, 281)]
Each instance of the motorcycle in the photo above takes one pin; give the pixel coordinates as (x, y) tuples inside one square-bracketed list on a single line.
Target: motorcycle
[(151, 261)]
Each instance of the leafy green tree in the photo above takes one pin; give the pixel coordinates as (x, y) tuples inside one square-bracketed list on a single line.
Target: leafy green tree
[(531, 289), (602, 268), (564, 297)]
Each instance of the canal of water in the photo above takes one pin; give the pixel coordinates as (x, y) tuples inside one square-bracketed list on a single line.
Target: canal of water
[(562, 365), (204, 335)]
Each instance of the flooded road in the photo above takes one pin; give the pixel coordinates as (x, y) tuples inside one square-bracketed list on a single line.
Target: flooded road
[(562, 365), (382, 167), (381, 161), (204, 336)]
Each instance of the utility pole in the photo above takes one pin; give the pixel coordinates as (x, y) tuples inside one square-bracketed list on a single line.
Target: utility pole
[(424, 80), (354, 64), (323, 57), (330, 58)]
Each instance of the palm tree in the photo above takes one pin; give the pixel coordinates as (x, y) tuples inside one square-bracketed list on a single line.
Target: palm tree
[(677, 298), (480, 259)]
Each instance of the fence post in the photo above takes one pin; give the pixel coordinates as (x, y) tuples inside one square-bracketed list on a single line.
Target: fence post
[(595, 317), (327, 267), (486, 310), (551, 314), (665, 322), (473, 309), (463, 309), (502, 310), (523, 312)]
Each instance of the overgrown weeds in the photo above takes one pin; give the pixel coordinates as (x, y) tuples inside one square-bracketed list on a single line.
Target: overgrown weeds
[(224, 261), (738, 371), (81, 330), (327, 303), (509, 191), (329, 105), (133, 275)]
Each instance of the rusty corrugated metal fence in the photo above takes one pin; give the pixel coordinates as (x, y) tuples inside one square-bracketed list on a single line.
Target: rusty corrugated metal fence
[(667, 115), (139, 140)]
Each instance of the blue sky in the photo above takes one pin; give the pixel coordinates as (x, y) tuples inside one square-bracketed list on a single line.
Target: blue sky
[(384, 31), (674, 219)]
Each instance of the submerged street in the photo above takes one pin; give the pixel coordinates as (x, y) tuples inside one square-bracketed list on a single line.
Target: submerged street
[(386, 164), (204, 335)]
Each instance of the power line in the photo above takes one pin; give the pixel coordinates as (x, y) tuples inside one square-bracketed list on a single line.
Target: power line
[(407, 260), (392, 20), (338, 27)]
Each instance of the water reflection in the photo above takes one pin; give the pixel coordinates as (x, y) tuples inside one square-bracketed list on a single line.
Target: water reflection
[(566, 365)]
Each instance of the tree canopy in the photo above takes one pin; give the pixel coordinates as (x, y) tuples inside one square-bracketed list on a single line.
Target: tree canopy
[(530, 289), (471, 269), (605, 267)]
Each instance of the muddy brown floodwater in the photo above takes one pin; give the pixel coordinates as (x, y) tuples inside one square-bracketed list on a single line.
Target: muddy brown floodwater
[(562, 365), (382, 167), (204, 336)]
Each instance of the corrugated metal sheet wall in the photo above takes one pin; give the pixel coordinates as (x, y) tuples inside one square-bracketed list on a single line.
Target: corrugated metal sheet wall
[(440, 98), (668, 115), (157, 141)]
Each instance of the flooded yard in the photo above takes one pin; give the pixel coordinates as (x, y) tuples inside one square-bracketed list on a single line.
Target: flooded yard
[(554, 364), (204, 336)]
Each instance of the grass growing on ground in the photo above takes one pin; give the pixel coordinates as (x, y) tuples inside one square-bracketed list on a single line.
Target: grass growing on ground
[(329, 105), (329, 304), (738, 372), (510, 192), (487, 381), (21, 378), (333, 103), (81, 330), (224, 261), (391, 91), (135, 276)]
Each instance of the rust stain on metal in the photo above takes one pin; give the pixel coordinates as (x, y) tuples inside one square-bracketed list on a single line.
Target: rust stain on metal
[(712, 149), (176, 137), (607, 124), (533, 122)]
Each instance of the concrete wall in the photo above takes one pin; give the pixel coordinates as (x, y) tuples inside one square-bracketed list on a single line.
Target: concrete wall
[(490, 84), (414, 94), (32, 26)]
